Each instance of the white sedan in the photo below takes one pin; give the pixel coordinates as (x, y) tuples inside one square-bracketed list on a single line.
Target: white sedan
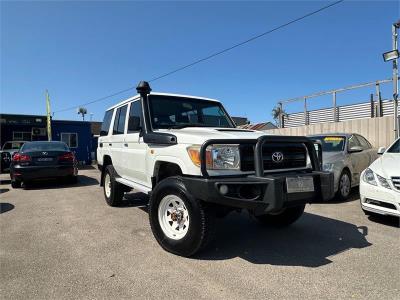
[(380, 183)]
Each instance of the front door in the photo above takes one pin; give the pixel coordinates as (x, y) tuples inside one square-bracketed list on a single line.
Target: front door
[(134, 149)]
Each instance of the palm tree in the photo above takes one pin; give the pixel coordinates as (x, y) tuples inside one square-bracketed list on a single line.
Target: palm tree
[(277, 114), (82, 111)]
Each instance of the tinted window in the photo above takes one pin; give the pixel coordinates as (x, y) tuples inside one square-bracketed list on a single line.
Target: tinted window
[(119, 121), (105, 126), (44, 146), (364, 143), (353, 142), (395, 148), (331, 143), (135, 117)]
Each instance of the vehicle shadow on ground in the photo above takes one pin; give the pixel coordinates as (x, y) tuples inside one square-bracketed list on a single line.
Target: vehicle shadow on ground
[(385, 220), (354, 196), (4, 191), (5, 181), (83, 180), (5, 207), (136, 199), (308, 243)]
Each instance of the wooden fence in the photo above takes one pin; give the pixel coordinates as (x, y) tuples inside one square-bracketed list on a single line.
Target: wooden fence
[(378, 131)]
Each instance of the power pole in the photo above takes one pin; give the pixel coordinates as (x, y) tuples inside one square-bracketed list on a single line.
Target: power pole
[(395, 28)]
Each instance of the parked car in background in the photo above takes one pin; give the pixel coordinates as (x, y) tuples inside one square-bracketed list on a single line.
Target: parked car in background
[(380, 183), (42, 160), (6, 153), (346, 155)]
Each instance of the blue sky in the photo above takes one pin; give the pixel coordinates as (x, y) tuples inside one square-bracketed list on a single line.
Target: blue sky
[(81, 51)]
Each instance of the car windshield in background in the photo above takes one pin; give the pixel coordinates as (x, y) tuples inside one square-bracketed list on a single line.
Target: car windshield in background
[(331, 143), (180, 112), (44, 146), (12, 145), (395, 148)]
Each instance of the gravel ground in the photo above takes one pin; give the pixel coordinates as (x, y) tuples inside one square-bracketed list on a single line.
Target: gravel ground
[(63, 241)]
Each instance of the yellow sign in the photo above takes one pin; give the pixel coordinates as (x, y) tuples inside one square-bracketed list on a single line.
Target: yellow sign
[(48, 116), (333, 139)]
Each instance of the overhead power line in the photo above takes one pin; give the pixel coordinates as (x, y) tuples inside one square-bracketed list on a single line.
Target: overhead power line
[(212, 55)]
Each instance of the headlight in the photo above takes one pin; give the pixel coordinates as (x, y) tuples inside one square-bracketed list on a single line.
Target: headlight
[(369, 177), (383, 182), (218, 157), (328, 167)]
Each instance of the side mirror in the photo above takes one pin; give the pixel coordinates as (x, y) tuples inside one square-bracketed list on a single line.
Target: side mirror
[(355, 149), (381, 150)]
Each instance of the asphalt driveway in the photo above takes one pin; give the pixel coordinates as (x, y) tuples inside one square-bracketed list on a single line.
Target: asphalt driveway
[(62, 241)]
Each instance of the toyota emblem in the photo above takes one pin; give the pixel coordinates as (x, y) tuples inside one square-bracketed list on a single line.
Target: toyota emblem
[(277, 157)]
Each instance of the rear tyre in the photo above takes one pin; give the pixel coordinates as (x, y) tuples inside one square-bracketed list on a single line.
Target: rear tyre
[(113, 191), (282, 218), (344, 189), (15, 183), (180, 223)]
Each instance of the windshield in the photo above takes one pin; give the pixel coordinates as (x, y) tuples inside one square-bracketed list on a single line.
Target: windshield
[(12, 145), (395, 148), (331, 143), (44, 146), (180, 112)]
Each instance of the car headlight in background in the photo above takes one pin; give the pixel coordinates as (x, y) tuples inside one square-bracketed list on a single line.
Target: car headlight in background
[(218, 157), (369, 177), (328, 167), (383, 182)]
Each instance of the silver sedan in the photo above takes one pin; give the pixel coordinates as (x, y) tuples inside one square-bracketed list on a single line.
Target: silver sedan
[(346, 155)]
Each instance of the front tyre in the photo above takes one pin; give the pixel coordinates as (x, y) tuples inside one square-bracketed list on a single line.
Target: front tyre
[(344, 186), (181, 224), (113, 191), (282, 218)]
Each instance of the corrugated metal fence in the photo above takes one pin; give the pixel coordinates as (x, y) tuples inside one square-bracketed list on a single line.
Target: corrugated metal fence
[(343, 113)]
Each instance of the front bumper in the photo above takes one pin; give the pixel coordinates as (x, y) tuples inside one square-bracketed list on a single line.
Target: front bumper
[(260, 194), (379, 200), (27, 173)]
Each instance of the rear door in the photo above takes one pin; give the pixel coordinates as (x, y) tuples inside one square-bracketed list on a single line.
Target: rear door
[(134, 149), (103, 148), (116, 139)]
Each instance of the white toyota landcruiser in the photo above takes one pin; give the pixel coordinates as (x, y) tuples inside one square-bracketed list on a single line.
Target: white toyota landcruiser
[(186, 153)]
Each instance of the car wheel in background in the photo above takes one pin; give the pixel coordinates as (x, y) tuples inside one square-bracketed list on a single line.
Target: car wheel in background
[(113, 191), (344, 188), (282, 218), (15, 183)]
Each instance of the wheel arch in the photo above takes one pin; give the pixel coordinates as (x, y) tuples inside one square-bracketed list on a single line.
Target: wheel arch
[(164, 169), (106, 161)]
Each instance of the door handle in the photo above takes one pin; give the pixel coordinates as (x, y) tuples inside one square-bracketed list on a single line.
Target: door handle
[(101, 145), (126, 144), (109, 144)]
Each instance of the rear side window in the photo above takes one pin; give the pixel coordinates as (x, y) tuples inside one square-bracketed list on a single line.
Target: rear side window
[(119, 121), (105, 126), (135, 116)]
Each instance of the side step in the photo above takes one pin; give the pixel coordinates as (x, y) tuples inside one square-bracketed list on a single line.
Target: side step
[(134, 185)]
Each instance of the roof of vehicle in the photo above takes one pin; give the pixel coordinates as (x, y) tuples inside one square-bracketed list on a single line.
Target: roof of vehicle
[(161, 94)]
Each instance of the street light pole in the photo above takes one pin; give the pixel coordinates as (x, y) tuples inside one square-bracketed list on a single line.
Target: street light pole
[(395, 28)]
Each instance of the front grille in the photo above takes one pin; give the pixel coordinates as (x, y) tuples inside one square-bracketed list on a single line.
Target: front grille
[(294, 156), (396, 182)]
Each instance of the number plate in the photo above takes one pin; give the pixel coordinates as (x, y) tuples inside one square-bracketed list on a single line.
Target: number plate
[(45, 159), (299, 184)]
